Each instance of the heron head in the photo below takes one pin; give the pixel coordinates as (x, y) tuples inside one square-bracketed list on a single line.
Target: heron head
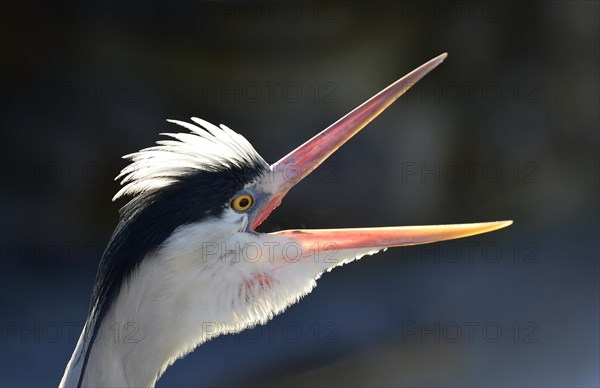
[(186, 263)]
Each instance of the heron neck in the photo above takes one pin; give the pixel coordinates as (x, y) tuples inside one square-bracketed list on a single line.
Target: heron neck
[(115, 360)]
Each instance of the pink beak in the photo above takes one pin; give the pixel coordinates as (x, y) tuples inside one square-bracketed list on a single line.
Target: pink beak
[(293, 167)]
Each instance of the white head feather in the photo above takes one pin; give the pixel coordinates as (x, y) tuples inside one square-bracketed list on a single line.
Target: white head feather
[(207, 148)]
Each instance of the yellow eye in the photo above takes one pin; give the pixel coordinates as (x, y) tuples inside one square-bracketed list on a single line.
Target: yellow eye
[(242, 202)]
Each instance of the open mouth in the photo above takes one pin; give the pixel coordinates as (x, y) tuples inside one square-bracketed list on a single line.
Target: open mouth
[(293, 167)]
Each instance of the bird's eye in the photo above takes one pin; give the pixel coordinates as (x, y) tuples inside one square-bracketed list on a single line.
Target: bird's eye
[(242, 202)]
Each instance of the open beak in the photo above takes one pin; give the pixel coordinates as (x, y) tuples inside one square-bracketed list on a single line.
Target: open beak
[(293, 167)]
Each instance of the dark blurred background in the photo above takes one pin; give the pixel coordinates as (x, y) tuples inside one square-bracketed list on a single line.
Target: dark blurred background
[(506, 128)]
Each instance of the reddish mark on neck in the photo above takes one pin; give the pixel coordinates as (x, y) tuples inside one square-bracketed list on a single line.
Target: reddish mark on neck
[(248, 286)]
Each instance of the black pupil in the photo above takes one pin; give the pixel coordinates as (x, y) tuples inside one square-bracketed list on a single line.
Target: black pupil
[(244, 202)]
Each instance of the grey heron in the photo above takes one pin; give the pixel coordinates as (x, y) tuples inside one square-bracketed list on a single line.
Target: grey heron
[(178, 258)]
